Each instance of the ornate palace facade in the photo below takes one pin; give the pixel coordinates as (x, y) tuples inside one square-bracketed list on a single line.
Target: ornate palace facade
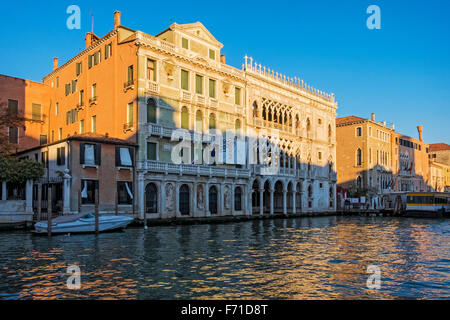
[(143, 89)]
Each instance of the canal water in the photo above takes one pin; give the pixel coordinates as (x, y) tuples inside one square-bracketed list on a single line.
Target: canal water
[(304, 258)]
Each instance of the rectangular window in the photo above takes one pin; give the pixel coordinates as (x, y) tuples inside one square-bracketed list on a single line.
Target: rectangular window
[(90, 154), (67, 89), (151, 69), (81, 98), (359, 132), (67, 117), (56, 109), (79, 68), (57, 82), (43, 139), (14, 135), (237, 96), (108, 50), (151, 151), (130, 75), (125, 192), (52, 136), (88, 190), (94, 91), (81, 126), (198, 84), (124, 157), (184, 80), (212, 54), (44, 158), (74, 86), (130, 114), (184, 43), (97, 57), (320, 155), (59, 133), (13, 108), (212, 88), (94, 124), (61, 156), (36, 112)]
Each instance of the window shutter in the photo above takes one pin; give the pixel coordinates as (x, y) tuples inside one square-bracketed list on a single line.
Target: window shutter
[(118, 156), (58, 156), (63, 156), (90, 61), (131, 150), (98, 154), (82, 153)]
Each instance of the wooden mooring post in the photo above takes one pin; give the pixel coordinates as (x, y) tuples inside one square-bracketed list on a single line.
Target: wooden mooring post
[(96, 208), (49, 210), (39, 202)]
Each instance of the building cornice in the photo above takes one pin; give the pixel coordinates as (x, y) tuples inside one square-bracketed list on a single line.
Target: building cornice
[(96, 44)]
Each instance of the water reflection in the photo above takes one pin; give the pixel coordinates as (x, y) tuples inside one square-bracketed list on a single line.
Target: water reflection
[(309, 258)]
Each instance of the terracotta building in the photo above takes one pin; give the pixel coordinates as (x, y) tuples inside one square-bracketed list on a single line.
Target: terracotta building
[(364, 157), (440, 164), (140, 89), (410, 163), (30, 101)]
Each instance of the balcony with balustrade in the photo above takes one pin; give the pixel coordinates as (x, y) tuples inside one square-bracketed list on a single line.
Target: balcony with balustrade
[(192, 169)]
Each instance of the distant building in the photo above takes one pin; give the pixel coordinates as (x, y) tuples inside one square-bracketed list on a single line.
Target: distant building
[(440, 163), (364, 157), (373, 159), (440, 152), (410, 163)]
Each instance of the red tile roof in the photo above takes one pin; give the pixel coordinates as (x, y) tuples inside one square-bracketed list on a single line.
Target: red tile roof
[(439, 147), (349, 119)]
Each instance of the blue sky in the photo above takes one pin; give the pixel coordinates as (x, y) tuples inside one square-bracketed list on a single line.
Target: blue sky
[(401, 72)]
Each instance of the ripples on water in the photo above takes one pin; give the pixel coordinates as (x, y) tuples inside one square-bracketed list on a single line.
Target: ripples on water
[(308, 258)]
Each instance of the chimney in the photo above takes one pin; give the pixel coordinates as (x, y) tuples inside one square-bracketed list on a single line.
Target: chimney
[(55, 63), (89, 39), (420, 129), (222, 58), (116, 19), (372, 117)]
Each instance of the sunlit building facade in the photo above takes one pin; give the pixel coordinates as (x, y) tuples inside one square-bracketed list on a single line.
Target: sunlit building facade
[(143, 90)]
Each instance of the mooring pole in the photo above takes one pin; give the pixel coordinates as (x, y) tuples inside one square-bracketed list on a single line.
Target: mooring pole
[(96, 208), (116, 203), (39, 202), (79, 201), (49, 209)]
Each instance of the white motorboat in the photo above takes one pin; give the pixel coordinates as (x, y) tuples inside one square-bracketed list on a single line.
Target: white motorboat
[(83, 223)]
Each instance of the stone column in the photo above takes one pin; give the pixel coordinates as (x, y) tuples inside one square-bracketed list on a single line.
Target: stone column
[(29, 196), (177, 200), (208, 214), (4, 191), (294, 196), (284, 200), (141, 196), (221, 198), (232, 200), (261, 201), (271, 201), (162, 200), (194, 201), (66, 192)]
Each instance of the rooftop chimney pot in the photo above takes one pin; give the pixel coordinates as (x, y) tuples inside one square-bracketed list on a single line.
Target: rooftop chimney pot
[(420, 129), (372, 116), (55, 63), (116, 19), (222, 58)]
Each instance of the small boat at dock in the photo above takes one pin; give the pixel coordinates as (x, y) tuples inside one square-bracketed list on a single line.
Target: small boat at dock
[(83, 223)]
